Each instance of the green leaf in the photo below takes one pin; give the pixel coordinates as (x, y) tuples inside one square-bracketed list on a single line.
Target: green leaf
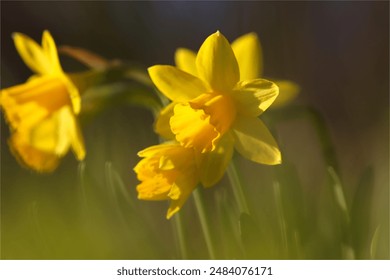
[(296, 216), (374, 243), (361, 213), (339, 193)]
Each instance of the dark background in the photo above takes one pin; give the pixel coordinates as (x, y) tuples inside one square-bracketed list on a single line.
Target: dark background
[(338, 52)]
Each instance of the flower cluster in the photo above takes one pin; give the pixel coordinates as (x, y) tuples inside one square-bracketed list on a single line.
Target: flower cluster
[(42, 112), (217, 97), (216, 94)]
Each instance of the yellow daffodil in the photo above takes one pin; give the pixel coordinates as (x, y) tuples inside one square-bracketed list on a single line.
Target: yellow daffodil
[(171, 172), (248, 52), (167, 172), (41, 112), (212, 105)]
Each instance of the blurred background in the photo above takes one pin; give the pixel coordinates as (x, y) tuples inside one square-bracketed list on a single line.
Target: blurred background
[(338, 52)]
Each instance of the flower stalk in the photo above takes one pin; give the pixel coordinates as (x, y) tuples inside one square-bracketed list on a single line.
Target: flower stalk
[(237, 187), (181, 240), (204, 223)]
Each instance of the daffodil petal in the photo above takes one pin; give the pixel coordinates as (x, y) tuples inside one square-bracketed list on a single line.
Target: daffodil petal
[(32, 54), (247, 50), (74, 94), (217, 64), (155, 188), (145, 169), (185, 60), (177, 85), (212, 166), (56, 134), (70, 134), (176, 205), (166, 163), (175, 192), (288, 90), (77, 142), (161, 125), (156, 150), (255, 96), (155, 185), (50, 50), (185, 187), (254, 141), (31, 157), (49, 137), (170, 155)]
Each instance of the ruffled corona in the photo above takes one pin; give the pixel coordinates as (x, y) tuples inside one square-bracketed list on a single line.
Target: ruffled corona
[(41, 112)]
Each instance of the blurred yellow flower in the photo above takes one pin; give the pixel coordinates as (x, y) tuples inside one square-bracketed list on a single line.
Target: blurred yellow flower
[(41, 112), (167, 172), (248, 52), (171, 172), (212, 103)]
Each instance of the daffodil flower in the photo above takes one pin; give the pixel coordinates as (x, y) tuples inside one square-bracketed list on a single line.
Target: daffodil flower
[(167, 172), (248, 52), (213, 107), (42, 112), (170, 171)]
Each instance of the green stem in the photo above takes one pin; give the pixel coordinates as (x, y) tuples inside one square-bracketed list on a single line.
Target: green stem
[(82, 187), (203, 222), (178, 225), (238, 190), (282, 220)]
